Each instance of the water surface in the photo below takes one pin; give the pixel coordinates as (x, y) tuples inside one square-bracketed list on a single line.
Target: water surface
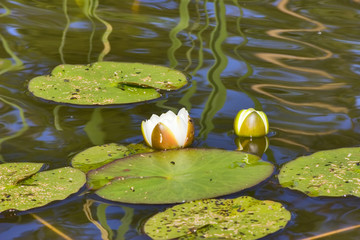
[(298, 61)]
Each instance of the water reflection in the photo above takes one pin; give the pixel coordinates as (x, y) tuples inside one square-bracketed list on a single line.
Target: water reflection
[(14, 63), (277, 33), (255, 146), (325, 87), (217, 96)]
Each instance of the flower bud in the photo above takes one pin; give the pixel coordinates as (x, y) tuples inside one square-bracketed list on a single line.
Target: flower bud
[(168, 130), (251, 123)]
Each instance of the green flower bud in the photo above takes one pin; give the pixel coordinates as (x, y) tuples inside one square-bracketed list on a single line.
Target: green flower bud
[(251, 123)]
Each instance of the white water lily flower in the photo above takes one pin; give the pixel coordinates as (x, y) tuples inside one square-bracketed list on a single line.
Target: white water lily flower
[(251, 123), (169, 130)]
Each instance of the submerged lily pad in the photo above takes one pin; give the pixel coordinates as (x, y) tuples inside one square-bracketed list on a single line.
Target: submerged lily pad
[(23, 189), (177, 175), (98, 156), (326, 173), (239, 218), (103, 83)]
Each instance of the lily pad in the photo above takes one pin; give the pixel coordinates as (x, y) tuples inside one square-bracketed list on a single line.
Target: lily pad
[(98, 156), (11, 174), (104, 83), (22, 188), (135, 148), (177, 175), (331, 173), (239, 218)]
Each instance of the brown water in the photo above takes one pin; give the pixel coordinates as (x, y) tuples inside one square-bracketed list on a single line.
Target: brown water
[(299, 61)]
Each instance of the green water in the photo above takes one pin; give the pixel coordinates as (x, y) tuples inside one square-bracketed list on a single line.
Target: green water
[(298, 61)]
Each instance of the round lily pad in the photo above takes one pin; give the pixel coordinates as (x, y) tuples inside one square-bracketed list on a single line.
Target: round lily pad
[(22, 188), (331, 173), (104, 83), (239, 218), (177, 175), (98, 156)]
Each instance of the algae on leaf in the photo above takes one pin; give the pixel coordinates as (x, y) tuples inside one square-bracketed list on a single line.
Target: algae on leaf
[(12, 173), (332, 173), (23, 188), (104, 83), (175, 176), (240, 218), (97, 156)]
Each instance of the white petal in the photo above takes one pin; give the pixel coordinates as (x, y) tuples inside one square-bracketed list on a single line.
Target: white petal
[(183, 123), (177, 124), (184, 115), (154, 118), (148, 127), (168, 115), (172, 124)]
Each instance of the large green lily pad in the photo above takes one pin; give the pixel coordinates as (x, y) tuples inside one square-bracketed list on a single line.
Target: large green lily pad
[(326, 173), (104, 83), (177, 175), (22, 188), (97, 156), (239, 218)]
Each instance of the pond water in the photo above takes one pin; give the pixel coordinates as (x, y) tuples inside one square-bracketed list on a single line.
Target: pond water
[(298, 61)]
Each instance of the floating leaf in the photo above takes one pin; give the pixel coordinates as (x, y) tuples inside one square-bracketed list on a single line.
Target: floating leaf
[(326, 173), (239, 218), (23, 189), (98, 156), (11, 174), (177, 175), (135, 148), (105, 83)]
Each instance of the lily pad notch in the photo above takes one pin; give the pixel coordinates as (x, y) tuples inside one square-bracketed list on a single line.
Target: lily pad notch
[(23, 187), (176, 176), (97, 156), (105, 83)]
